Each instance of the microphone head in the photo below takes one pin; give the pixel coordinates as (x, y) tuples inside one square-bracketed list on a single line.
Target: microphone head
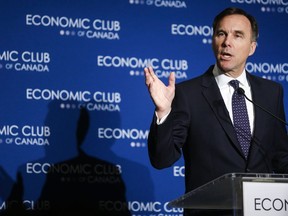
[(240, 91)]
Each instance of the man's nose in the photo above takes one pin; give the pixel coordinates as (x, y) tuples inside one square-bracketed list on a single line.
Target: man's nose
[(227, 41)]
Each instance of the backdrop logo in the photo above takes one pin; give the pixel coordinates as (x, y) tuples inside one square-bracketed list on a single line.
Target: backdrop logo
[(161, 3), (92, 101), (26, 204), (24, 135), (276, 72), (179, 171), (138, 137), (274, 6), (194, 31), (25, 61), (162, 67), (81, 172), (154, 207), (148, 208), (79, 27)]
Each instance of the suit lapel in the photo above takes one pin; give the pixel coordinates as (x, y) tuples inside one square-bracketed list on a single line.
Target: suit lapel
[(213, 96), (259, 121)]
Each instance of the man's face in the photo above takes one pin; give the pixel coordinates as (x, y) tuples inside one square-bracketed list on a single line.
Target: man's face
[(232, 44)]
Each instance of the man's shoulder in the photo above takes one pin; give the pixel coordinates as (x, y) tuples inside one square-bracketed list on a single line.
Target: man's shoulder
[(196, 80), (263, 81)]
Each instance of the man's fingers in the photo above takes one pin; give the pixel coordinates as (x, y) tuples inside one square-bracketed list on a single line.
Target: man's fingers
[(172, 79), (151, 72), (149, 75), (148, 78)]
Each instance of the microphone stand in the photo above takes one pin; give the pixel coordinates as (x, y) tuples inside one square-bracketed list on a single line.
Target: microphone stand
[(242, 92)]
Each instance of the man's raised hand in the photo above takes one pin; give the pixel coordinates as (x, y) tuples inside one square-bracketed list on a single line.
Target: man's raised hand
[(161, 94)]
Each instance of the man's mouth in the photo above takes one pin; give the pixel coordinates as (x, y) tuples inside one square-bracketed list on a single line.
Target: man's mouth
[(225, 55)]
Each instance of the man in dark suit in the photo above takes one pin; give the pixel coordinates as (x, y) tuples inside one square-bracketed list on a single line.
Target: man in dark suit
[(195, 117)]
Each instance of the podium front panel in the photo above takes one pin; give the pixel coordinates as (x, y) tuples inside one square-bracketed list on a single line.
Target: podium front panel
[(225, 192)]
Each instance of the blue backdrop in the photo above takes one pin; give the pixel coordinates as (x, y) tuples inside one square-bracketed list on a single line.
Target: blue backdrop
[(72, 93)]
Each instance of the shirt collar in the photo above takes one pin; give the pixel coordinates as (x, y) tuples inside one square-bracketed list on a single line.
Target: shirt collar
[(223, 80)]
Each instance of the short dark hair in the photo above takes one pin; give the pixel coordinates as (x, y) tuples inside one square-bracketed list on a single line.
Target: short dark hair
[(232, 11)]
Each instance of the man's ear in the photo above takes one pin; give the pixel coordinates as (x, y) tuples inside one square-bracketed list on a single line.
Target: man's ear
[(252, 48)]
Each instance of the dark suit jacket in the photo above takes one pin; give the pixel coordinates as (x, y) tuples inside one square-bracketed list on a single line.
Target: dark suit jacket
[(199, 126)]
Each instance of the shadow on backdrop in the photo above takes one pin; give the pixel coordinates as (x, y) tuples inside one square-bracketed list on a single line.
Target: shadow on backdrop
[(84, 184), (6, 183), (75, 183), (109, 140)]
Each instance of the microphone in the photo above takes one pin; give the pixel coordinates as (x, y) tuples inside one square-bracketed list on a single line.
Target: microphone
[(242, 92)]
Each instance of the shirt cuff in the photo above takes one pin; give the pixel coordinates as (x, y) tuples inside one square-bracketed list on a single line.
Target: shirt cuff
[(160, 121)]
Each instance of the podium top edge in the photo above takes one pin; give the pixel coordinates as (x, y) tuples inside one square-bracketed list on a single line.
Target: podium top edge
[(253, 175)]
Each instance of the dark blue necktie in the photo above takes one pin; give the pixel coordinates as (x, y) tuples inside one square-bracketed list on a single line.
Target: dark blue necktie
[(240, 118)]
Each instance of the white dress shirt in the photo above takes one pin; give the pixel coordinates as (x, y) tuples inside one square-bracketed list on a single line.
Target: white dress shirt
[(227, 91)]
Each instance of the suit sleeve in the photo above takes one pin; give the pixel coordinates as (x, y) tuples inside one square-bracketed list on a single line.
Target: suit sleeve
[(166, 140), (280, 159)]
